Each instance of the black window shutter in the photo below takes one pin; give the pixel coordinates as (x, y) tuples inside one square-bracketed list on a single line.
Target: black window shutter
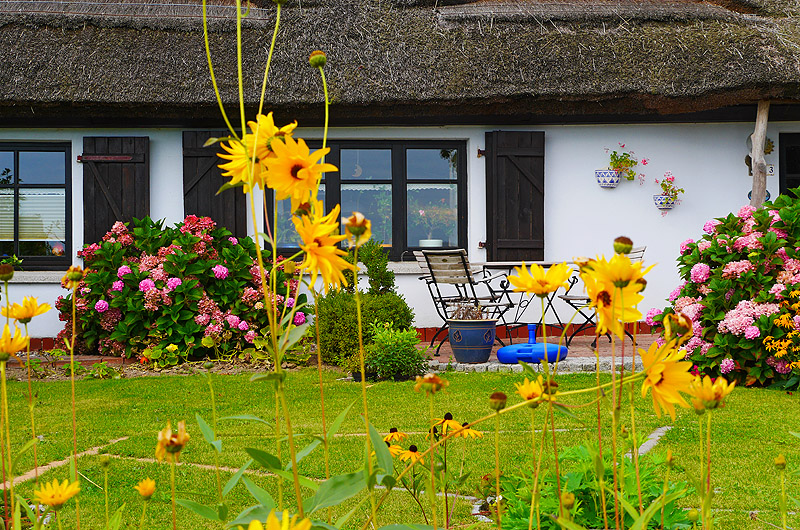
[(201, 180), (515, 195), (116, 182)]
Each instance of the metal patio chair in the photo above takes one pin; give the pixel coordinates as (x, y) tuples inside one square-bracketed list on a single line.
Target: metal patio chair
[(452, 282), (580, 302)]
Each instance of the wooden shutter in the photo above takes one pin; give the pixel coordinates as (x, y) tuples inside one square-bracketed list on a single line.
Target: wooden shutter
[(116, 182), (201, 180), (515, 195)]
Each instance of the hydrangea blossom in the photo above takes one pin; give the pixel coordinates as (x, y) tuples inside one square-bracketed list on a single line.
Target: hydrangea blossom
[(243, 326), (146, 284), (751, 332), (685, 245), (122, 271), (727, 365), (173, 283), (220, 272), (299, 318), (710, 227), (232, 320), (101, 306), (746, 211), (700, 273), (118, 285)]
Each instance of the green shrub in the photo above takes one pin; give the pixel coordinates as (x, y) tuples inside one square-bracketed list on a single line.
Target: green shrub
[(376, 262), (393, 353), (338, 327)]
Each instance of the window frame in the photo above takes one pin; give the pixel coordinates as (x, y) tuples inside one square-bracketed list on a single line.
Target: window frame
[(35, 263), (400, 250)]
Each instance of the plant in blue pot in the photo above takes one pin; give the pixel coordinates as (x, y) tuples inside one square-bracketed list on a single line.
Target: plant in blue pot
[(471, 333)]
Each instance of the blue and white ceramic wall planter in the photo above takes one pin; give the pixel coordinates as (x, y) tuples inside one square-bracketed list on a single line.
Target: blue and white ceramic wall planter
[(607, 178), (663, 202)]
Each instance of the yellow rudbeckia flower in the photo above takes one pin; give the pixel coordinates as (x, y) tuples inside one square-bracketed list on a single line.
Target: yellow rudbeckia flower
[(170, 444), (55, 495), (267, 132), (395, 435), (667, 376), (412, 455), (540, 281), (240, 166), (295, 171), (146, 488), (9, 345), (319, 237), (284, 523), (708, 395), (613, 306), (24, 313)]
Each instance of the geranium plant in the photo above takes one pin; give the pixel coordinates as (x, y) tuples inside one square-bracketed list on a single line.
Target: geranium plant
[(623, 161), (433, 217), (668, 187)]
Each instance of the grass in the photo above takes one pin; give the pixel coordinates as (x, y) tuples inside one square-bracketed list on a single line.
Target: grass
[(748, 434)]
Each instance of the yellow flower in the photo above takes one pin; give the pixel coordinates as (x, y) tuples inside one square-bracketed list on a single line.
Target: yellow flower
[(284, 523), (395, 435), (708, 395), (268, 133), (240, 154), (10, 345), (447, 423), (171, 348), (539, 281), (430, 383), (146, 488), (72, 278), (171, 444), (24, 313), (468, 432), (667, 375), (412, 455), (359, 227), (394, 450), (619, 271), (295, 171), (533, 391), (322, 256), (613, 306), (55, 495)]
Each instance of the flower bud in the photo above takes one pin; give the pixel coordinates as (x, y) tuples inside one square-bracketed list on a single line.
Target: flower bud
[(105, 461), (780, 462), (359, 227), (693, 515), (623, 245), (317, 59), (6, 272), (497, 401), (623, 431), (208, 365), (670, 460), (430, 383), (568, 500), (289, 266)]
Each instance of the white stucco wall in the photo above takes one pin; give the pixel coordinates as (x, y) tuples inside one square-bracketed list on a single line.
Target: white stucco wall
[(580, 217)]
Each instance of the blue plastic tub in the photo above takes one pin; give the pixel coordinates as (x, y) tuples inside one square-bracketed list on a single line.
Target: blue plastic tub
[(532, 351)]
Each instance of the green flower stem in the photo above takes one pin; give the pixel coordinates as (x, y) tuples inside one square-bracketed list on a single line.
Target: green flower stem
[(278, 449), (144, 516), (211, 71), (172, 489), (533, 456), (214, 426), (321, 392), (357, 294), (72, 385), (58, 520), (664, 498), (292, 452), (708, 523), (538, 474), (497, 467), (600, 479), (635, 447), (783, 498), (269, 59), (444, 486), (31, 405), (239, 69), (7, 429), (429, 452), (105, 490)]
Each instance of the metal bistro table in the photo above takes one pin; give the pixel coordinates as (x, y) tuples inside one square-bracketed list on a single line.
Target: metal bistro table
[(524, 301)]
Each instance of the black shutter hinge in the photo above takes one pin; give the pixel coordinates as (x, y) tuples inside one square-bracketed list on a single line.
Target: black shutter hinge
[(481, 152)]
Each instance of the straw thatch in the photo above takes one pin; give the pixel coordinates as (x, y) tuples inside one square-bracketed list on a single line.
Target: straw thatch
[(400, 59)]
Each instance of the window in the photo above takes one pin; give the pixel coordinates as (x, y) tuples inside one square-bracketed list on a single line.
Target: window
[(414, 192), (34, 194)]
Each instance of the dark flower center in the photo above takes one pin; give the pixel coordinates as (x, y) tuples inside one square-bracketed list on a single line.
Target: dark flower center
[(412, 448), (295, 170)]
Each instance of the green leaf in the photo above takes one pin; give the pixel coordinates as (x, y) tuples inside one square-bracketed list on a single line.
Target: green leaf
[(569, 525), (254, 512), (17, 517), (335, 490), (30, 443), (304, 452), (334, 428), (235, 478), (272, 376), (258, 493), (264, 458), (655, 506), (305, 482), (295, 334), (208, 432), (116, 519), (247, 417), (382, 453), (199, 509), (228, 186), (28, 510)]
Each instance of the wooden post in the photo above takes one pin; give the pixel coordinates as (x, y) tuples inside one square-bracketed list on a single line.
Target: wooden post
[(758, 138)]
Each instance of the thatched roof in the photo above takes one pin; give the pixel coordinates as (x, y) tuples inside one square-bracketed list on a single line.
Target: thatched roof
[(395, 60)]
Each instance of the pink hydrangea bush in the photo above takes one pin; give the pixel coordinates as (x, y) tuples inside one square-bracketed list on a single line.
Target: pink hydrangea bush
[(194, 286), (738, 279)]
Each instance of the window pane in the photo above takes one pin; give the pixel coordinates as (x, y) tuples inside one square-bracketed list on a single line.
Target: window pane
[(42, 222), (7, 215), (439, 164), (41, 167), (432, 215), (287, 235), (375, 202), (6, 167), (366, 164)]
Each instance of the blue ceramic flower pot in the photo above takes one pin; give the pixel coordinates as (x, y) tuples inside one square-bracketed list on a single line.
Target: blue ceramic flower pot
[(663, 202), (607, 178), (472, 340)]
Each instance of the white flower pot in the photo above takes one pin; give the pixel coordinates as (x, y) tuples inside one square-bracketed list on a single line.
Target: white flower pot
[(430, 243), (607, 178), (663, 202)]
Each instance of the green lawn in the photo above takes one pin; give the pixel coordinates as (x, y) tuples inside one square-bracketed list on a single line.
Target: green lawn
[(748, 433)]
